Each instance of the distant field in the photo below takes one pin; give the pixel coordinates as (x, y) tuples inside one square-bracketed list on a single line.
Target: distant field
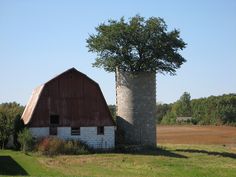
[(218, 135)]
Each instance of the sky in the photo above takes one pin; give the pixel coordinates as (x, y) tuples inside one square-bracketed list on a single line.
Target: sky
[(40, 39)]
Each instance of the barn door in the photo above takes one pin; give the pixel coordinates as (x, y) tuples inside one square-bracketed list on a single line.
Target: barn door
[(52, 130), (54, 123)]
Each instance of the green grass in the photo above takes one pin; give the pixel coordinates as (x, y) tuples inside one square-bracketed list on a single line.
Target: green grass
[(170, 160), (15, 163)]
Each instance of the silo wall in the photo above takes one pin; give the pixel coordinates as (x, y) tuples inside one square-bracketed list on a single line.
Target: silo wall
[(136, 107)]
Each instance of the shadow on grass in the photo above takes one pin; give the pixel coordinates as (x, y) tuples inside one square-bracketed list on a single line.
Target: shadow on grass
[(222, 154), (139, 150), (9, 167)]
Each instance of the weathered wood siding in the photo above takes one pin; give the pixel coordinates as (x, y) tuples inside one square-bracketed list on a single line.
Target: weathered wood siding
[(77, 100)]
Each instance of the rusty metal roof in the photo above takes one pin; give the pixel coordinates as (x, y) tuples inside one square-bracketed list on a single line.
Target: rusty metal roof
[(74, 96)]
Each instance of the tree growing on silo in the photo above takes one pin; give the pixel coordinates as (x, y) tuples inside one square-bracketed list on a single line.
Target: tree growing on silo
[(136, 50)]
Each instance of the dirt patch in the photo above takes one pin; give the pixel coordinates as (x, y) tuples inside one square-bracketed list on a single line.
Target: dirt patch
[(223, 135)]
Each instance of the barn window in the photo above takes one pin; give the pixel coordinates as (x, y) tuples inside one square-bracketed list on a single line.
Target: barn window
[(54, 119), (100, 130), (75, 131)]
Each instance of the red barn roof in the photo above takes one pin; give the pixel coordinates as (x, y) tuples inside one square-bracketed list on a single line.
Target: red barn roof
[(74, 97)]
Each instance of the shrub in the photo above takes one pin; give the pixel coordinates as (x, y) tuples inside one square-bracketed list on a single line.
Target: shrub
[(25, 139), (169, 118), (42, 145), (54, 146), (76, 147), (50, 146)]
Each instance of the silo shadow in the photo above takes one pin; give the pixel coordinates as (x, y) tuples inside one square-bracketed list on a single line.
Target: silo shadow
[(145, 150)]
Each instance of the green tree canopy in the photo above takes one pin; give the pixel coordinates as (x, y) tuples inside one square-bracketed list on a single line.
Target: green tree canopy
[(183, 106), (4, 129), (11, 109), (137, 45), (9, 112), (25, 139)]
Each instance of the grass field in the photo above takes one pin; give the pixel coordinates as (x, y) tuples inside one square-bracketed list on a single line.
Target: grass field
[(183, 160)]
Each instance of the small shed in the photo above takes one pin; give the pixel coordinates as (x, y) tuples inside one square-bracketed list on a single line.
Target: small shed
[(71, 106)]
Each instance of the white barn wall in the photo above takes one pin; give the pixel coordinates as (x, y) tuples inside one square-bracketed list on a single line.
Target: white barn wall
[(87, 135), (39, 131)]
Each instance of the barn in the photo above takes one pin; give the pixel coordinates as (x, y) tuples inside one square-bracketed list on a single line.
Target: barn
[(71, 106)]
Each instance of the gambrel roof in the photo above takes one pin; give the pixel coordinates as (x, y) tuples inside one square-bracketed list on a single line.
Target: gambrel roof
[(72, 95)]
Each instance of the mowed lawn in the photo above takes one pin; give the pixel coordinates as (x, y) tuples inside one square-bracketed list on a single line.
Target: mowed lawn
[(184, 151), (168, 160)]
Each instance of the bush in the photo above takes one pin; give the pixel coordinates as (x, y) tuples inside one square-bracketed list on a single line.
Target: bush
[(54, 146), (169, 118), (25, 139), (50, 146), (75, 147)]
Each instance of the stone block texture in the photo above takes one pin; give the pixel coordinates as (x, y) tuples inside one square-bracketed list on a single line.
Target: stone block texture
[(136, 107), (87, 135)]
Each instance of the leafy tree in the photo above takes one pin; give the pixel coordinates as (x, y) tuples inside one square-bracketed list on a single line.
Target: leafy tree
[(162, 110), (4, 129), (11, 110), (180, 108), (8, 114), (183, 106), (25, 139), (169, 118), (137, 45), (18, 127)]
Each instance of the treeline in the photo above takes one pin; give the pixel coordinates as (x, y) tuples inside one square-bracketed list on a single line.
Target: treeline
[(213, 110)]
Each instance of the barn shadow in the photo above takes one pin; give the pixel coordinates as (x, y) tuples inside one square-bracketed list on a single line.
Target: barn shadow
[(212, 153), (9, 167)]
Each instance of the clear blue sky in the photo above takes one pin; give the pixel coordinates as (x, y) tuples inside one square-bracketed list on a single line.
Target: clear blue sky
[(40, 39)]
